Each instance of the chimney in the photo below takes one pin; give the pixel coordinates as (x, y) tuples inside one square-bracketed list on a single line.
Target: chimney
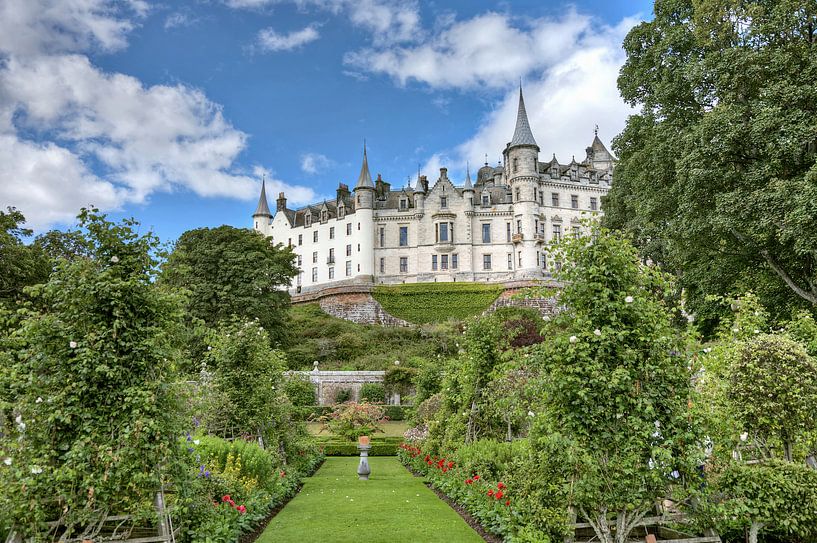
[(443, 173), (343, 192), (424, 183), (281, 202)]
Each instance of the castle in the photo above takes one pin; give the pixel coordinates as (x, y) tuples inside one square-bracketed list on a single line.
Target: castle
[(496, 228)]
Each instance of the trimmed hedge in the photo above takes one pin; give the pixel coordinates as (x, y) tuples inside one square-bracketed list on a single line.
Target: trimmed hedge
[(422, 303), (383, 447)]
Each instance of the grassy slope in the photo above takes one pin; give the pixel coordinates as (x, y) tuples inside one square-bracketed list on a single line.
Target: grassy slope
[(339, 344), (391, 507)]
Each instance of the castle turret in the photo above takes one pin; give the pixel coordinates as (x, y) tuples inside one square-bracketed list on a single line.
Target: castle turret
[(468, 188), (521, 164), (262, 216), (364, 214)]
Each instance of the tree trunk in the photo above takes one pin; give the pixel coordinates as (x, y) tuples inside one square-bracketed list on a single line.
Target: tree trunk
[(753, 530), (787, 450)]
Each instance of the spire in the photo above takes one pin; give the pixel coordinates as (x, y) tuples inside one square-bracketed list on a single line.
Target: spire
[(364, 181), (468, 185), (262, 208), (522, 134)]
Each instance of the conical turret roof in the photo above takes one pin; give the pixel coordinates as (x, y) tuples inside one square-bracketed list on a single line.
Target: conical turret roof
[(262, 208), (522, 134), (364, 180), (468, 185)]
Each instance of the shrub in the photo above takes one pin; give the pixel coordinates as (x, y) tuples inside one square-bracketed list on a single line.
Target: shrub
[(397, 412), (299, 390), (352, 420), (343, 395), (253, 461), (372, 393), (436, 302)]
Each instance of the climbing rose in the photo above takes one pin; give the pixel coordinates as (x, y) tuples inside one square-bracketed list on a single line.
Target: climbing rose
[(476, 477), (498, 494), (72, 344), (573, 339), (242, 509), (491, 492), (500, 485), (628, 299), (507, 503), (597, 332)]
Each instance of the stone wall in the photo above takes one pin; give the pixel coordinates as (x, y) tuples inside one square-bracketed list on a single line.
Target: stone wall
[(329, 383), (360, 308), (545, 306)]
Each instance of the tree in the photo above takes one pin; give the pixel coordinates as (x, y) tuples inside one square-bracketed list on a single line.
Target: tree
[(717, 178), (57, 245), (618, 387), (233, 272), (21, 265), (773, 389), (93, 425)]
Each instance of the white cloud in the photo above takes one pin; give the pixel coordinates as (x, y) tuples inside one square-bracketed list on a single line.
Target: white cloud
[(73, 135), (270, 40), (179, 19), (42, 26), (313, 163)]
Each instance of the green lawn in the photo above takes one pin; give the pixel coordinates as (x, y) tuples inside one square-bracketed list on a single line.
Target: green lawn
[(390, 429), (391, 507)]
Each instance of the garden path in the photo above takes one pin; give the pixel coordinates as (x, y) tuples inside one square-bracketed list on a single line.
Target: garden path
[(392, 506)]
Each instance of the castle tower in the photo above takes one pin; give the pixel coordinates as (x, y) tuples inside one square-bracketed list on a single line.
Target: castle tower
[(468, 189), (262, 217), (364, 215), (521, 163)]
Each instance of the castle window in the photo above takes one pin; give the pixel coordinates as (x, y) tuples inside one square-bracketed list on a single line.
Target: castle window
[(403, 236), (341, 211), (486, 199), (486, 262), (331, 232), (443, 202), (403, 264), (508, 232), (515, 164), (454, 261), (574, 201), (535, 191), (300, 261), (594, 205), (300, 239), (324, 216), (403, 204), (445, 232), (443, 262), (308, 219), (520, 259), (331, 273), (382, 236), (510, 261), (554, 199), (348, 229), (541, 197), (256, 225), (382, 265), (358, 226), (536, 225), (314, 275), (349, 250), (315, 236), (516, 195), (557, 232), (577, 232), (290, 242), (314, 257), (518, 227), (433, 262), (358, 247), (331, 259), (348, 268), (486, 232)]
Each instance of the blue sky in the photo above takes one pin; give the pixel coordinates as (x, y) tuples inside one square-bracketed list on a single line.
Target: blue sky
[(172, 111)]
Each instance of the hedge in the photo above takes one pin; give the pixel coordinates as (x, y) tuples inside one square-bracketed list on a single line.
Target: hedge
[(349, 448), (422, 303)]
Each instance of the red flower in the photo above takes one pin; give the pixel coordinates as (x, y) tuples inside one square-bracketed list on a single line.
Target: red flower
[(450, 465), (283, 474), (507, 503), (469, 481), (242, 509), (476, 477), (491, 492), (226, 498), (498, 495), (428, 458), (500, 485)]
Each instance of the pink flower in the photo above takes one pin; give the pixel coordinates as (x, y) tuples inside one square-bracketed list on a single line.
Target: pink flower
[(226, 498), (242, 509)]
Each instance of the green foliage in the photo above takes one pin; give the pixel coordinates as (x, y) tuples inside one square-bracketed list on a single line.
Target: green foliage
[(427, 380), (773, 388), (372, 393), (618, 388), (399, 378), (299, 390), (339, 344), (398, 412), (803, 328), (382, 446), (421, 303), (93, 413), (775, 497), (233, 272), (343, 395), (20, 265), (726, 132), (249, 372), (351, 420)]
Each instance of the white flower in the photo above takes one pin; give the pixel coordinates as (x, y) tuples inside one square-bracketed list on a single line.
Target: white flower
[(7, 461), (573, 339), (531, 413), (114, 259), (196, 441), (72, 344), (735, 329), (546, 318), (22, 426), (708, 350), (18, 419), (597, 332), (36, 470), (744, 436), (757, 331), (38, 400), (396, 362), (209, 348), (628, 299)]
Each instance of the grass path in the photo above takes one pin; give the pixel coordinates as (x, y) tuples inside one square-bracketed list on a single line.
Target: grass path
[(391, 507)]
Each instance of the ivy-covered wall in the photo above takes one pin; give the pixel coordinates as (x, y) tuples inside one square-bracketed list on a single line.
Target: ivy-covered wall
[(421, 303)]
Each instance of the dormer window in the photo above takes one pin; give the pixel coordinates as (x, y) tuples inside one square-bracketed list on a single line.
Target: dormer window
[(324, 215), (443, 202), (341, 211), (403, 204), (486, 199), (308, 219)]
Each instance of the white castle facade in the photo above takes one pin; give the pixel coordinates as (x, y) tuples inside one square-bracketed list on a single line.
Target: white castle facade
[(494, 229)]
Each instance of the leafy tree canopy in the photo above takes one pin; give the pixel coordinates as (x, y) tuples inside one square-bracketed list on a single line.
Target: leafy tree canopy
[(717, 178), (233, 272), (21, 265)]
